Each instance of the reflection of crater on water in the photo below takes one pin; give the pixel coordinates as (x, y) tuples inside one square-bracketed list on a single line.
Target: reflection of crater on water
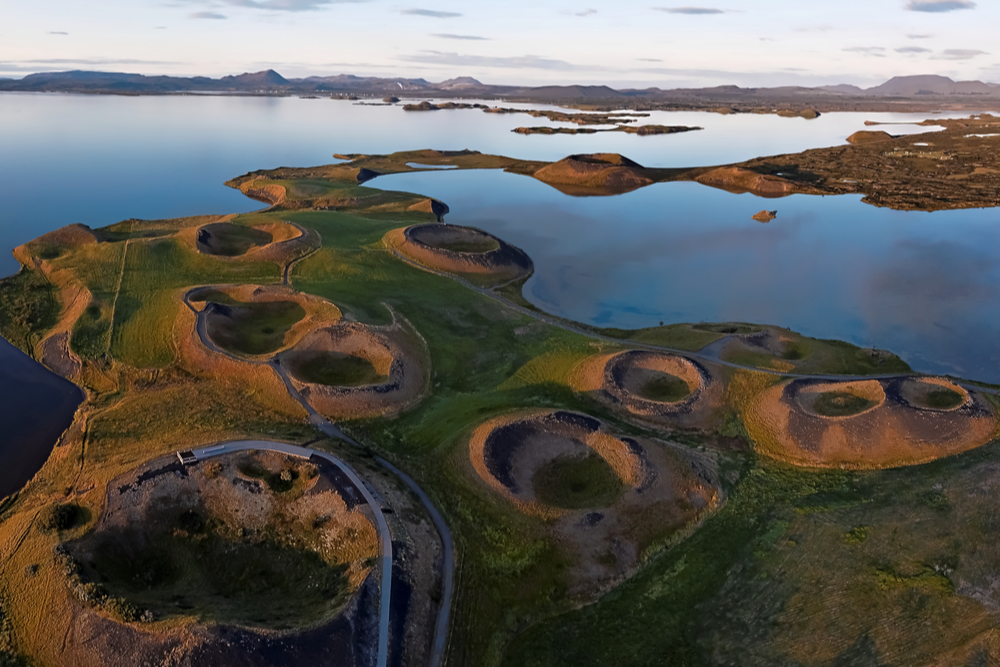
[(919, 284)]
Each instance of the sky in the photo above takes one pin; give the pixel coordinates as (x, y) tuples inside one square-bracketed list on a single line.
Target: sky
[(617, 42)]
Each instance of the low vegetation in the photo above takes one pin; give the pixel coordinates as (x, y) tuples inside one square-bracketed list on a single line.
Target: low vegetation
[(333, 368), (253, 328), (841, 404), (577, 482)]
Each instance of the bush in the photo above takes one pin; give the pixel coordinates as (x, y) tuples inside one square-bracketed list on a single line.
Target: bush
[(59, 517)]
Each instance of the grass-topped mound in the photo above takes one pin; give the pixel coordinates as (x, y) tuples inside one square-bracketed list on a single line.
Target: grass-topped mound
[(664, 388), (252, 328), (547, 463), (335, 369), (254, 320), (254, 540), (351, 370), (466, 251), (867, 423), (229, 240), (454, 238), (598, 173), (840, 399)]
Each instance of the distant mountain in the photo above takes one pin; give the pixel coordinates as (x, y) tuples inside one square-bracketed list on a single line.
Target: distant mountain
[(572, 92), (271, 82), (844, 88), (459, 83), (908, 86), (266, 79), (351, 83)]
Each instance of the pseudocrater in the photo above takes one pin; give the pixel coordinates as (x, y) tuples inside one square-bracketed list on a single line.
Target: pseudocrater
[(606, 498), (549, 463), (256, 321), (657, 386), (230, 240), (465, 251), (880, 423), (258, 540), (351, 370)]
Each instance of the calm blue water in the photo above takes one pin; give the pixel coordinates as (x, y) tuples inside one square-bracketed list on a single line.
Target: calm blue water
[(924, 285), (99, 159)]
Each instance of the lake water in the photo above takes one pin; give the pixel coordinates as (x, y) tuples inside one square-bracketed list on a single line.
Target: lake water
[(36, 406), (921, 285), (924, 285)]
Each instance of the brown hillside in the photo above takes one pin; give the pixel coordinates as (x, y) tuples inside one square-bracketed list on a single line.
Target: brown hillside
[(600, 171), (869, 137)]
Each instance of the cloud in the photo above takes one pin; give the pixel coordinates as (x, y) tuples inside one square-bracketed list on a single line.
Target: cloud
[(431, 13), (693, 11), (512, 62), (445, 35), (919, 36), (873, 51), (938, 6), (57, 32), (207, 15), (59, 64), (912, 49), (959, 54), (271, 5), (650, 60), (585, 12)]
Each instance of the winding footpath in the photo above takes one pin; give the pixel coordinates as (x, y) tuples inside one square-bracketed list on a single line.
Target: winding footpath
[(380, 523)]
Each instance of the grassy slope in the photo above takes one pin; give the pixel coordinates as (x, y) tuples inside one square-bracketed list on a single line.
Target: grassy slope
[(805, 567)]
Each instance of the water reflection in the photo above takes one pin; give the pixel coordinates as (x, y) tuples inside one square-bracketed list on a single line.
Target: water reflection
[(924, 285)]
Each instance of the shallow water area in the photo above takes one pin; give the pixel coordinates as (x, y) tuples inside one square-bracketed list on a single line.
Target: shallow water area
[(923, 285)]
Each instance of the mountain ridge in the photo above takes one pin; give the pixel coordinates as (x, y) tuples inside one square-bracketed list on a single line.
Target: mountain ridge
[(271, 82)]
